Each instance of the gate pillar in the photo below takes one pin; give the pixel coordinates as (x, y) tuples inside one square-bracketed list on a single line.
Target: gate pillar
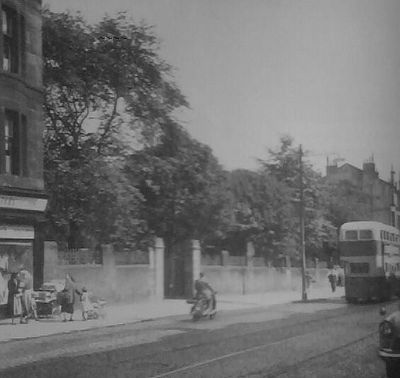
[(157, 264)]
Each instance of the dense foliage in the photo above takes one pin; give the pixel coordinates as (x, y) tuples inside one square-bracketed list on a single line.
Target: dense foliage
[(105, 85), (119, 168), (182, 185)]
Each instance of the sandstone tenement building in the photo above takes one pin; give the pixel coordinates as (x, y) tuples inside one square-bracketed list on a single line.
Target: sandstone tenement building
[(22, 197), (384, 195)]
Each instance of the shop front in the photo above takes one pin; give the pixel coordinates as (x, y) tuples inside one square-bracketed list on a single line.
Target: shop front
[(21, 246)]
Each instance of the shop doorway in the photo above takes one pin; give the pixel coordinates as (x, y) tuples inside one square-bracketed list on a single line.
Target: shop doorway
[(14, 256)]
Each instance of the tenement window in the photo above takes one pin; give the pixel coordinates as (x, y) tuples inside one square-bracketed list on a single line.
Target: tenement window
[(14, 143), (12, 26)]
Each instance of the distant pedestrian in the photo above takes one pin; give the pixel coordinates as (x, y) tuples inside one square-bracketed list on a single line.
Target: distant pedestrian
[(332, 277), (308, 279), (14, 300), (340, 276)]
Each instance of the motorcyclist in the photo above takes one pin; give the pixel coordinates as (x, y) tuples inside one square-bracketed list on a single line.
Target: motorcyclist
[(204, 290)]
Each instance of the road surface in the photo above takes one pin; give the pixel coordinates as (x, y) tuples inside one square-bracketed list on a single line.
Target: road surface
[(320, 339)]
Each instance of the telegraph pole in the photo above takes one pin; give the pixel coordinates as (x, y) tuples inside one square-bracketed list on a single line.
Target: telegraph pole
[(302, 243)]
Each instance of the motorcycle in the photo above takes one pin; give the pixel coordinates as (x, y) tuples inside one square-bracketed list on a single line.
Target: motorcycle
[(201, 308)]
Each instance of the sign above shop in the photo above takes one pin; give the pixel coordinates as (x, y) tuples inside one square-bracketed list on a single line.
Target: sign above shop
[(23, 203), (16, 232)]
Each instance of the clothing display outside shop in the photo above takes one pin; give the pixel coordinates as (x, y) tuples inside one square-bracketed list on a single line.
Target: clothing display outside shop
[(15, 258)]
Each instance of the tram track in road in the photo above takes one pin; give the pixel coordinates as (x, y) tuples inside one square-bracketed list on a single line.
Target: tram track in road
[(223, 357), (170, 354), (277, 372), (228, 338), (280, 371), (273, 341)]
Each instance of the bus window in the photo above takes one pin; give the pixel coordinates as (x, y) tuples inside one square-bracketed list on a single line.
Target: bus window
[(351, 235), (366, 235), (359, 268)]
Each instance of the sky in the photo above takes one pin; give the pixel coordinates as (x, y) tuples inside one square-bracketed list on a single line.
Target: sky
[(326, 72)]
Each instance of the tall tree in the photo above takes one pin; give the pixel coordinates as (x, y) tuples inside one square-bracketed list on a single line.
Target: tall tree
[(106, 88), (182, 184), (283, 164)]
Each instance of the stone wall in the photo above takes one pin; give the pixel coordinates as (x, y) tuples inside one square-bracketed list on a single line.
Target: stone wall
[(137, 282), (128, 282), (251, 279)]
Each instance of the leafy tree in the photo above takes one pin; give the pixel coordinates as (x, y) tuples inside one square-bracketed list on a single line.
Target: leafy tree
[(182, 184), (343, 202), (283, 165), (260, 209), (106, 88)]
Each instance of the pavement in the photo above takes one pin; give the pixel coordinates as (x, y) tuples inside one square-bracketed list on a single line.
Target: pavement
[(117, 313)]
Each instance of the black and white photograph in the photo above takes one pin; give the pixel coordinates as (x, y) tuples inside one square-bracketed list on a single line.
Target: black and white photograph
[(200, 188)]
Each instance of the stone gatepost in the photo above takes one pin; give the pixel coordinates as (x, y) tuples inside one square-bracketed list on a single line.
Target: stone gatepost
[(192, 267), (157, 266), (196, 259), (248, 267), (250, 253), (225, 257), (50, 268), (110, 271)]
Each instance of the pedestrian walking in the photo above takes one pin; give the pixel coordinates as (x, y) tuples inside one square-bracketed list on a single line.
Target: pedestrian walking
[(332, 277), (68, 298), (25, 278), (13, 300), (308, 277), (340, 276)]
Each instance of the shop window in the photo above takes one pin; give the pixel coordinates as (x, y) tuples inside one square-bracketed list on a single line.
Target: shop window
[(15, 129), (13, 30)]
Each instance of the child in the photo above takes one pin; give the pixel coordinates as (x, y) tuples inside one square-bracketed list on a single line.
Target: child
[(86, 304)]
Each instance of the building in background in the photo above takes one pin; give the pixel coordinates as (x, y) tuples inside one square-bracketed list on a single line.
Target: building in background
[(22, 196), (383, 195)]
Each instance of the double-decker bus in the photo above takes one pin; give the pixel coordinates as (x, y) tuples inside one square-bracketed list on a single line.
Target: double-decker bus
[(370, 252)]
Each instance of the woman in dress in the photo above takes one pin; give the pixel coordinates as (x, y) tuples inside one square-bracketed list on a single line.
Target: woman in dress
[(13, 298), (68, 298)]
